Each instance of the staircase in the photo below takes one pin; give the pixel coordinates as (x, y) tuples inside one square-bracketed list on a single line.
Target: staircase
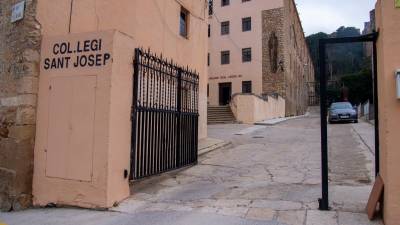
[(220, 114)]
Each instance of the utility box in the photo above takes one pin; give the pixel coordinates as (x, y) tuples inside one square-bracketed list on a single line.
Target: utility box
[(82, 149)]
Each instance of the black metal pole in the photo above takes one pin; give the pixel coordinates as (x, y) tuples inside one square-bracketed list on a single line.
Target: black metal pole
[(179, 118), (135, 92), (376, 107), (324, 201)]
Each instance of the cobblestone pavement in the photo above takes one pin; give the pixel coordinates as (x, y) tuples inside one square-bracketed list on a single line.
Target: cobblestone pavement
[(268, 175)]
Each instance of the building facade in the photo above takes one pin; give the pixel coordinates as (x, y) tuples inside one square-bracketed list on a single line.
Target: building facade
[(79, 54), (258, 47)]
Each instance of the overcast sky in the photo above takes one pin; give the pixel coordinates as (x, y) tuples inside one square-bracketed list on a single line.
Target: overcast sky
[(328, 15)]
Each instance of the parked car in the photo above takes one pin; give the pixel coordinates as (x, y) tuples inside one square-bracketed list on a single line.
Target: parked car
[(342, 112)]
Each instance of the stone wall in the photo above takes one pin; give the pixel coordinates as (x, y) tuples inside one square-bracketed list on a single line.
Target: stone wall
[(272, 65), (298, 64), (294, 67), (19, 70)]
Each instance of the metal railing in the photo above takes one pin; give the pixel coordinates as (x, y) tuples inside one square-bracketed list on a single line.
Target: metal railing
[(164, 115)]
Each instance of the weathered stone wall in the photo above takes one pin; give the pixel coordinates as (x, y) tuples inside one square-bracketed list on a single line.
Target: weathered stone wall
[(298, 67), (294, 62), (273, 78), (19, 70)]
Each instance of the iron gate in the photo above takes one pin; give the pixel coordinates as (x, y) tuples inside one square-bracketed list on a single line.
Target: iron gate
[(164, 115)]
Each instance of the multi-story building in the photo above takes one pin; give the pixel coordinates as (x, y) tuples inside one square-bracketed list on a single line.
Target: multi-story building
[(258, 47)]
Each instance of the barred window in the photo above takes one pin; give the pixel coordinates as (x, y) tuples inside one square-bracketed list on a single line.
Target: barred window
[(210, 7), (246, 55), (184, 23), (246, 87), (225, 57), (246, 24), (225, 28), (225, 2)]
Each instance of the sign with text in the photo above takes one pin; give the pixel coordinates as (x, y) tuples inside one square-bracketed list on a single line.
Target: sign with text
[(76, 52), (17, 11)]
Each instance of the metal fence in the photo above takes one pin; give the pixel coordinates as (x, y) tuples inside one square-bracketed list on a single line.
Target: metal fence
[(164, 115)]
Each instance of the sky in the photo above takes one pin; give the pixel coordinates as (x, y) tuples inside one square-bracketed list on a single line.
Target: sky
[(328, 15)]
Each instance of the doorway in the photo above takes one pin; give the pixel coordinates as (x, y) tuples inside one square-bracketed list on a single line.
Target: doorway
[(225, 92)]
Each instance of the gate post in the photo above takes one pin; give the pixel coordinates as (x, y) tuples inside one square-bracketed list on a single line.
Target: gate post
[(324, 202), (135, 92), (179, 117)]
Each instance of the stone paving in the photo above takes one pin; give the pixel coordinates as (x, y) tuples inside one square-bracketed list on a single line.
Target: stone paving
[(268, 175)]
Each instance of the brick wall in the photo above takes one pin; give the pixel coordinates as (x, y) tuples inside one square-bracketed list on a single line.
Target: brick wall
[(19, 70)]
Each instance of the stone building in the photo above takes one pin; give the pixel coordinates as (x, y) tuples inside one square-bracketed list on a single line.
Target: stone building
[(258, 47), (31, 89), (19, 73), (369, 27)]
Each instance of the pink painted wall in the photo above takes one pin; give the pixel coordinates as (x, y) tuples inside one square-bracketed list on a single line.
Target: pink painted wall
[(251, 109), (387, 19), (235, 41), (103, 153), (152, 24)]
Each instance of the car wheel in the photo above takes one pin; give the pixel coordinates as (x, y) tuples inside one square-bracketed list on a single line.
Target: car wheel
[(355, 121)]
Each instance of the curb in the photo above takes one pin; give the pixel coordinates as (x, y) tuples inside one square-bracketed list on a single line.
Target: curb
[(266, 123), (213, 147)]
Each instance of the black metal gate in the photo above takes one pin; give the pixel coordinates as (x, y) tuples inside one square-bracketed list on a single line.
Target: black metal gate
[(164, 116)]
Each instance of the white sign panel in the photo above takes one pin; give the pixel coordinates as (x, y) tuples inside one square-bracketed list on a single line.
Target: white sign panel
[(17, 12)]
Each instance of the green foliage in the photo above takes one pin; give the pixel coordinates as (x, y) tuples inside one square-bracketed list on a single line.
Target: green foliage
[(341, 58), (312, 42), (346, 65), (359, 86)]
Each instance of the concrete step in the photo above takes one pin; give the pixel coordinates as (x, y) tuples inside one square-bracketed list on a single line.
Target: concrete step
[(220, 115)]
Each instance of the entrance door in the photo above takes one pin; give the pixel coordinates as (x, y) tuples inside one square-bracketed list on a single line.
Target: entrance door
[(225, 92)]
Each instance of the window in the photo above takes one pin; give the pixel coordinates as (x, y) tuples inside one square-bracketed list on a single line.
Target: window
[(209, 30), (225, 28), (208, 90), (225, 2), (225, 57), (184, 23), (246, 24), (210, 7), (208, 59), (246, 55), (245, 0), (246, 87)]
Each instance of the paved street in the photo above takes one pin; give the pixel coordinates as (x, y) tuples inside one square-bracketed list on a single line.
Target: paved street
[(267, 175)]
